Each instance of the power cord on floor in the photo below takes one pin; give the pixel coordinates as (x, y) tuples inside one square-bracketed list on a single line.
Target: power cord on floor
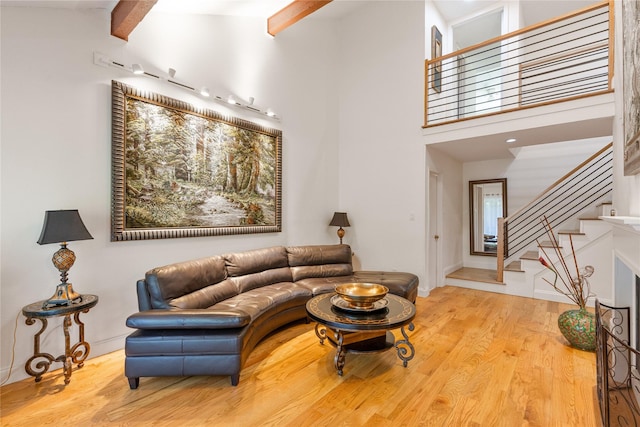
[(13, 350)]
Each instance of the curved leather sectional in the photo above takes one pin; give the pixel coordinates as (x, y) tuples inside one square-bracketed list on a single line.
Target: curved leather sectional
[(205, 316)]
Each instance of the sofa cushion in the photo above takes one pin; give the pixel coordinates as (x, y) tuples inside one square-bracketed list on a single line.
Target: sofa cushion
[(319, 261), (207, 296), (243, 263), (322, 285), (399, 283), (273, 298), (172, 281)]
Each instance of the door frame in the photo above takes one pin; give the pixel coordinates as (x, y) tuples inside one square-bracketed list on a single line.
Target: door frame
[(434, 227)]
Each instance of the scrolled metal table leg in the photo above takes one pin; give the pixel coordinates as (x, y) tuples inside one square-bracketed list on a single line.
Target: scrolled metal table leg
[(339, 360), (80, 350), (321, 332), (68, 359), (404, 347), (40, 367)]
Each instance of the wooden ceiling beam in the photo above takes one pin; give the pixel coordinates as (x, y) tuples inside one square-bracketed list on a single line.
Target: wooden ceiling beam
[(292, 13), (127, 14)]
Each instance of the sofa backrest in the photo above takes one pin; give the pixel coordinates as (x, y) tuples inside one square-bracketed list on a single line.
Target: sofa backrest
[(319, 261), (261, 267), (204, 282), (190, 284)]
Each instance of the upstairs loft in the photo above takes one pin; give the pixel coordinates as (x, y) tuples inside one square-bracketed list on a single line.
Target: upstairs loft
[(548, 82)]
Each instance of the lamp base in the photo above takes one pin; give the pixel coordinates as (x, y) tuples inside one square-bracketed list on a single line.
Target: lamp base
[(64, 295)]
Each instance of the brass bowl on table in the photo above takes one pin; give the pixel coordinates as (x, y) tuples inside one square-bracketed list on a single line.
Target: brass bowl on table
[(361, 295)]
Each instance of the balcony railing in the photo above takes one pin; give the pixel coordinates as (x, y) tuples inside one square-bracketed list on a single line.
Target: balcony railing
[(566, 58)]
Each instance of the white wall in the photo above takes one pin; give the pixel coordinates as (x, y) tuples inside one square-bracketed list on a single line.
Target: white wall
[(56, 150), (382, 170)]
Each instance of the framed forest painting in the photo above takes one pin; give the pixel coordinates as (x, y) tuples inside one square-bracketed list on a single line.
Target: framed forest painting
[(631, 84), (182, 171)]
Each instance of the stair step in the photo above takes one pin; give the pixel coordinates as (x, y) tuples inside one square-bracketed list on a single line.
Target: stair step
[(547, 244), (476, 275), (515, 266), (589, 218), (603, 204), (530, 255), (572, 232)]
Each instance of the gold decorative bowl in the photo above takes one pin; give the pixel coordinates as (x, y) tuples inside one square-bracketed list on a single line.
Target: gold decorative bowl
[(361, 295)]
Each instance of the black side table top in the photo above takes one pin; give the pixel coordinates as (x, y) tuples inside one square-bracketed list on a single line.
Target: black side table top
[(35, 310), (398, 312)]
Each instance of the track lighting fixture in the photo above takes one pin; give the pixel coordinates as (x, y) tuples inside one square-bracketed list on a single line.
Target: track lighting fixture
[(104, 61)]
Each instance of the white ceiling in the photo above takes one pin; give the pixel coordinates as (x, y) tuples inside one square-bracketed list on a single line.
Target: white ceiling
[(533, 11), (256, 8)]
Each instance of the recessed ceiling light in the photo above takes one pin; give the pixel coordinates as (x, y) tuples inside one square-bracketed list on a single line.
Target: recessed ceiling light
[(511, 140)]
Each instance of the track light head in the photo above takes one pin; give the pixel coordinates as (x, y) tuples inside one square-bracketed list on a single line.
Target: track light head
[(137, 69)]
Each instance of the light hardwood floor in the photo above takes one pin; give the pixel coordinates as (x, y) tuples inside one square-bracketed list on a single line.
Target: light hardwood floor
[(482, 359)]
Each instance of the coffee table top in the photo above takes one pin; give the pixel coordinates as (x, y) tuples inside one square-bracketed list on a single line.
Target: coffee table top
[(398, 312)]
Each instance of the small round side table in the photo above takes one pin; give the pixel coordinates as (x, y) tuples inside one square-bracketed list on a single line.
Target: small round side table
[(39, 363)]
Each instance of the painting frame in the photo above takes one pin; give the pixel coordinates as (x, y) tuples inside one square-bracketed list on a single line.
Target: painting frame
[(436, 52), (631, 86), (259, 212)]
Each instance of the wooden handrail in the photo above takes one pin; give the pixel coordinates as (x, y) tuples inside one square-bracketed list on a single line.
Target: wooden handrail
[(558, 182), (551, 21), (606, 79), (611, 39)]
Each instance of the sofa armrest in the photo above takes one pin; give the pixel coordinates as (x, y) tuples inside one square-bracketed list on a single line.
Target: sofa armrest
[(188, 319)]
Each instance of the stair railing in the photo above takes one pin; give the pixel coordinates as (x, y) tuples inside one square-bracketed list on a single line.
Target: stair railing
[(565, 58), (583, 187)]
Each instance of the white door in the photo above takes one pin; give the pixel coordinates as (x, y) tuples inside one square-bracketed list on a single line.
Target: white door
[(433, 254)]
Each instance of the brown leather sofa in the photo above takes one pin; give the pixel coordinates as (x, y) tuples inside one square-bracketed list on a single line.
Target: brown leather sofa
[(204, 317)]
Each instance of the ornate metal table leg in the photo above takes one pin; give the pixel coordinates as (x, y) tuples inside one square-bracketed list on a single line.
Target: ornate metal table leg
[(41, 367), (404, 347), (339, 360), (67, 359), (321, 332), (80, 350)]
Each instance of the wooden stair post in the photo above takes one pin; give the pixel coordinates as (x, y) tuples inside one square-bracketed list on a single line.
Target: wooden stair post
[(500, 250)]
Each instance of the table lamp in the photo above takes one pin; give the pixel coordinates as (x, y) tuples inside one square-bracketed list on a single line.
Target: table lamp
[(61, 227), (340, 220)]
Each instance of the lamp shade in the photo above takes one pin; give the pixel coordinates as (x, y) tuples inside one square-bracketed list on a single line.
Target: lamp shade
[(63, 226), (340, 219)]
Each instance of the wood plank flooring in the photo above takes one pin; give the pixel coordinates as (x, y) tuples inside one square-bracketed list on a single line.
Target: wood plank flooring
[(476, 275), (482, 359)]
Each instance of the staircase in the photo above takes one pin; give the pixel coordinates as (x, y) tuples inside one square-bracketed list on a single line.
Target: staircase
[(573, 206), (592, 242)]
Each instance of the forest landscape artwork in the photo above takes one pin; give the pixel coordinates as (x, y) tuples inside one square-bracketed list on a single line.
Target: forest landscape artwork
[(180, 171)]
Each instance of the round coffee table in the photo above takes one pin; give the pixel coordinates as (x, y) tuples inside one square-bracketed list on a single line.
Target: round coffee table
[(358, 331)]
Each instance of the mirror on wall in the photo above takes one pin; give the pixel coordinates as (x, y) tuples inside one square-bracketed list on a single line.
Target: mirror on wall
[(487, 203)]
